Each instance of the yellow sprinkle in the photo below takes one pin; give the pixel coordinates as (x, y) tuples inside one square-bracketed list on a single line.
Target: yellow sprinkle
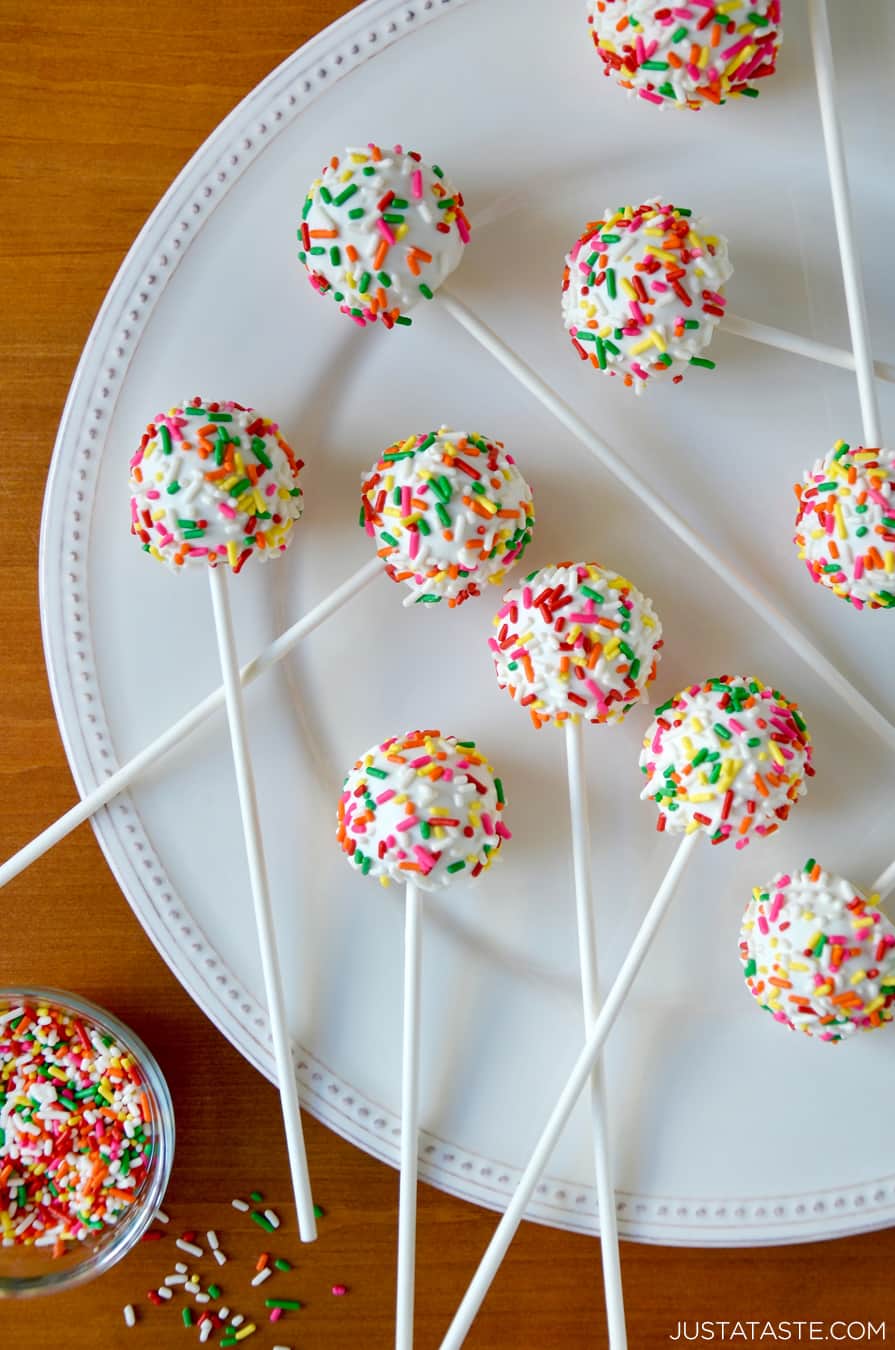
[(232, 553)]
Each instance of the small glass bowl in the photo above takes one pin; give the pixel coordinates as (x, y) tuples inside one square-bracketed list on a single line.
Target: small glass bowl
[(29, 1270)]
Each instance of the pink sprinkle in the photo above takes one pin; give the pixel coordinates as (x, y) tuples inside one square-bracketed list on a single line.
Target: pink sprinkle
[(414, 543), (276, 1314), (652, 98), (425, 859), (463, 228), (420, 762), (407, 823), (776, 906), (385, 230), (859, 567), (488, 823), (385, 796), (416, 183), (226, 510), (501, 830), (762, 924), (338, 1290)]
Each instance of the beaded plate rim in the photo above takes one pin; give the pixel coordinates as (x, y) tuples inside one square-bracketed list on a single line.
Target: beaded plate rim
[(164, 915)]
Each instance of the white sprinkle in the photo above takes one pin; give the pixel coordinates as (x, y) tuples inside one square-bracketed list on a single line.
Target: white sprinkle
[(282, 1347), (203, 1298), (163, 1292), (189, 1247), (192, 1284), (219, 1256), (223, 1313), (262, 1276), (173, 1280), (212, 1239), (130, 1317), (240, 1205), (161, 1216), (205, 1332), (238, 1320), (272, 1218), (181, 1268)]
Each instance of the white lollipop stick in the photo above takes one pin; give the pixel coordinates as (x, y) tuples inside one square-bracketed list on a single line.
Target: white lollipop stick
[(885, 883), (612, 461), (559, 1117), (819, 21), (131, 771), (264, 922), (799, 346), (410, 1095), (587, 953)]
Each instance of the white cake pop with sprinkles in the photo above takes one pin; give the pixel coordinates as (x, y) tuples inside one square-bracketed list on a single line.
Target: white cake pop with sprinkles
[(213, 483), (450, 512), (729, 756), (381, 230), (576, 641), (818, 954), (687, 55), (845, 526), (424, 808), (642, 292)]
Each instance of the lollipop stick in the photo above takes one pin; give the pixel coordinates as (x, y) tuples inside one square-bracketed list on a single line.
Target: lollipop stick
[(410, 1073), (587, 952), (885, 883), (799, 346), (128, 773), (264, 923), (822, 46), (559, 1117), (612, 461)]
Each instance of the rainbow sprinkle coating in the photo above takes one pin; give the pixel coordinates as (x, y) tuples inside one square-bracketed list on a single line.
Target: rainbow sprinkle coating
[(641, 292), (818, 954), (576, 641), (424, 808), (213, 483), (380, 231), (686, 55), (76, 1133), (845, 526), (449, 511), (729, 757)]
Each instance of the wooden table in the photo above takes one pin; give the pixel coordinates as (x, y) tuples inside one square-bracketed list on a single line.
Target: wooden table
[(102, 104)]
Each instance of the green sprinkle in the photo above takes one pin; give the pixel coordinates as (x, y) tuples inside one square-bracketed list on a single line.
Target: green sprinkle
[(195, 412), (165, 438), (287, 1304), (260, 453), (186, 1315), (426, 291), (346, 194), (377, 773), (281, 1263), (335, 255), (456, 866), (610, 238), (390, 539), (654, 65), (679, 34), (384, 279), (260, 1220), (220, 417), (442, 515), (702, 361), (173, 487), (610, 283), (356, 213), (239, 488), (364, 283), (319, 1212), (325, 194), (214, 1290), (721, 732)]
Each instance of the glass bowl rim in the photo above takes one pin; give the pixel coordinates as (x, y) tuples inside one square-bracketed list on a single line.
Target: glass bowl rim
[(128, 1233)]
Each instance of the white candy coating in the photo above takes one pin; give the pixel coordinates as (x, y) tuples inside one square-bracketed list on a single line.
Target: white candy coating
[(576, 640), (424, 808), (213, 483), (818, 954), (449, 512), (641, 291), (686, 55), (729, 757), (380, 231), (845, 525)]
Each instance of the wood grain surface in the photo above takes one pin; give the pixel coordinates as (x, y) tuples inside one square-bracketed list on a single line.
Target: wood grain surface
[(102, 104)]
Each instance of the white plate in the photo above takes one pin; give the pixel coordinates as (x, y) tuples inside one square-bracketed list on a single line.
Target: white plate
[(726, 1130)]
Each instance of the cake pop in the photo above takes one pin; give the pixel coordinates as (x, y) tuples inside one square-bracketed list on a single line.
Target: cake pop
[(729, 756), (818, 954), (576, 641), (213, 483), (381, 230), (687, 55), (422, 808), (641, 292), (845, 526), (449, 511)]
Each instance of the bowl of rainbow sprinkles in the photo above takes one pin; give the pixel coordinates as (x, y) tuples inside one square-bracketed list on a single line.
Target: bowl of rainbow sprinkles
[(86, 1140)]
